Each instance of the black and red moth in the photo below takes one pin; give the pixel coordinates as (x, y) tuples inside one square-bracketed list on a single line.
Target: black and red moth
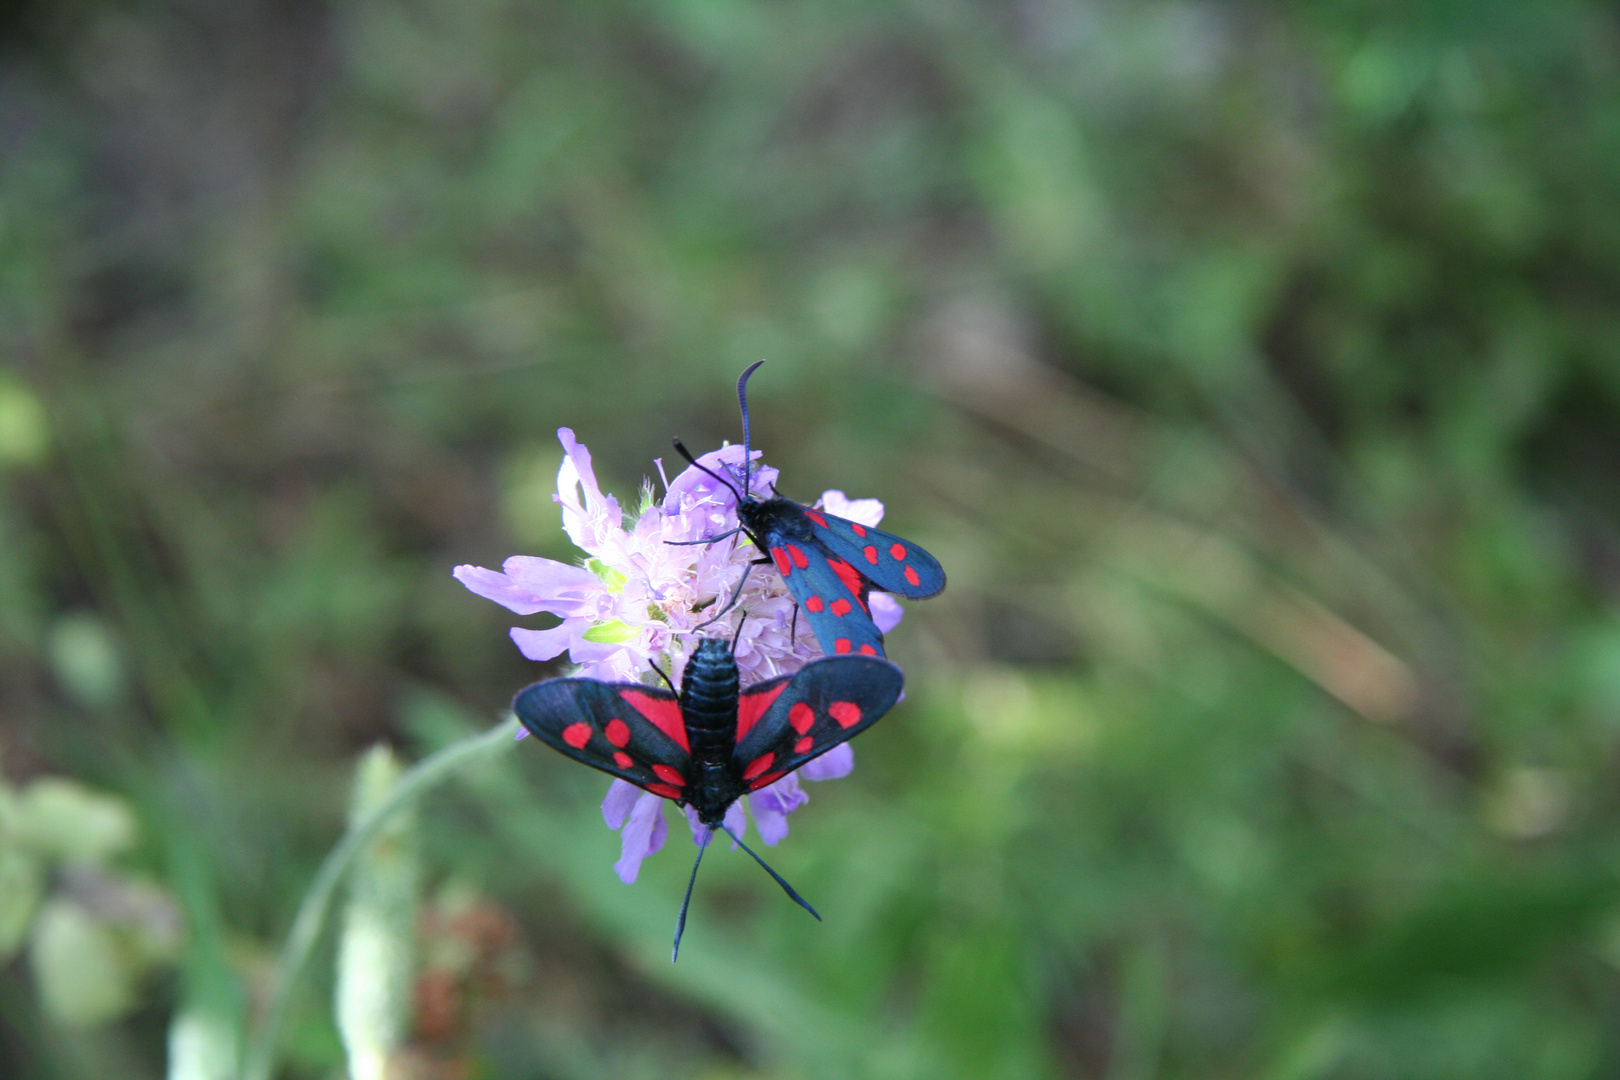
[(713, 743), (830, 564)]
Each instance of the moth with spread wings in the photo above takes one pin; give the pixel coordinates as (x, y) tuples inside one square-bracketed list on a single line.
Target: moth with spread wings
[(830, 564), (713, 743)]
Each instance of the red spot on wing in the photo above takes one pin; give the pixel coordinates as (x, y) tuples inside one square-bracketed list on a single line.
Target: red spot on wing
[(663, 713), (803, 745), (840, 606), (815, 516), (577, 734), (752, 705), (851, 577), (813, 604), (897, 551), (665, 790), (841, 645), (780, 558), (670, 776), (758, 765), (622, 759), (801, 717), (796, 553), (871, 554), (860, 530), (847, 713), (911, 576), (766, 781), (867, 650), (618, 733)]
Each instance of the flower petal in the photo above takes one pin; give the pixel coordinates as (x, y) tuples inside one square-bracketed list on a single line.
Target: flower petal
[(860, 511), (621, 796), (694, 485), (546, 644), (550, 578), (886, 611), (528, 585), (737, 820), (699, 831), (641, 836), (772, 805), (833, 765), (590, 522)]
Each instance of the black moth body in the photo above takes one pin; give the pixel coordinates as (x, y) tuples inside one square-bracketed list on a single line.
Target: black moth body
[(829, 564), (709, 700), (715, 742)]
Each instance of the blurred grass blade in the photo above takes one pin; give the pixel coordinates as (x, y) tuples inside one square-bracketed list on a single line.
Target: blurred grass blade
[(311, 917), (202, 1045), (376, 954)]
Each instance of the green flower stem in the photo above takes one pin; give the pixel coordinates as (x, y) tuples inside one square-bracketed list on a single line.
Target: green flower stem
[(312, 912)]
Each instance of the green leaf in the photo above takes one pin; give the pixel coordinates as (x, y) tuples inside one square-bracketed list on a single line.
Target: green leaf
[(611, 633), (63, 819), (612, 578), (85, 975), (22, 883)]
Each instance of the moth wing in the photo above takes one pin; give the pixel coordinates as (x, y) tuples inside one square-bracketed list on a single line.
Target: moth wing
[(829, 701), (890, 563), (620, 728), (832, 594)]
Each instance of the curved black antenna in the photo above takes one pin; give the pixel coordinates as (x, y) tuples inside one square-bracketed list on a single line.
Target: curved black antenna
[(705, 539), (680, 923), (681, 449), (738, 635), (742, 400), (661, 675), (797, 899)]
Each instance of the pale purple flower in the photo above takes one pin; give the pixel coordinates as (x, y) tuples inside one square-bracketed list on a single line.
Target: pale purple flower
[(638, 599), (641, 817)]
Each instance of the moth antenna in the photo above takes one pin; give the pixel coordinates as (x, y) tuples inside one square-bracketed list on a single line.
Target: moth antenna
[(705, 539), (738, 635), (742, 399), (681, 449), (661, 675), (795, 897), (686, 901)]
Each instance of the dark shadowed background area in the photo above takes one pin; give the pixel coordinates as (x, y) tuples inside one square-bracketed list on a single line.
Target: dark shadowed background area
[(1252, 367)]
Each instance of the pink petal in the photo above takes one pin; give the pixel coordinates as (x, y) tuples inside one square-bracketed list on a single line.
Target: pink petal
[(621, 796), (641, 836), (772, 805), (529, 585), (693, 485), (886, 611), (574, 451), (737, 820), (833, 765), (697, 827), (546, 644), (860, 511)]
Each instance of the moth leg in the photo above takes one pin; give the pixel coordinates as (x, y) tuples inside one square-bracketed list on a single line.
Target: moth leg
[(735, 593), (661, 675)]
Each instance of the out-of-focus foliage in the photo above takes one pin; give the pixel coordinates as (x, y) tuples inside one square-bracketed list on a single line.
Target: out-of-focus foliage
[(93, 935), (1254, 369)]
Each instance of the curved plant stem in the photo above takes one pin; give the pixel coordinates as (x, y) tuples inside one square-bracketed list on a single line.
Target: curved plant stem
[(311, 918)]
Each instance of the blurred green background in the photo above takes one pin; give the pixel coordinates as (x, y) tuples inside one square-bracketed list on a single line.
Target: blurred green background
[(1253, 368)]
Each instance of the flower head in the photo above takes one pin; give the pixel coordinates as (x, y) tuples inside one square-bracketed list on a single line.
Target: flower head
[(639, 600)]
